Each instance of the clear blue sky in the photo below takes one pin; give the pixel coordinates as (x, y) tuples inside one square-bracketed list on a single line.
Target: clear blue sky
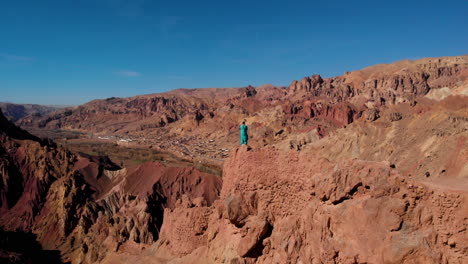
[(68, 52)]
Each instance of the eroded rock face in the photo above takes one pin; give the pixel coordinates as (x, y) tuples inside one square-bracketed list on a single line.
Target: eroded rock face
[(386, 191), (84, 206), (310, 210), (371, 114)]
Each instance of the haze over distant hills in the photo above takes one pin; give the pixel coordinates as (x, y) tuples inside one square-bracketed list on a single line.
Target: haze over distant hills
[(14, 112)]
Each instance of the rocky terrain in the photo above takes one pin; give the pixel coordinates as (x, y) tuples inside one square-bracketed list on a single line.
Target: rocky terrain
[(81, 205), (182, 119), (374, 192), (367, 167)]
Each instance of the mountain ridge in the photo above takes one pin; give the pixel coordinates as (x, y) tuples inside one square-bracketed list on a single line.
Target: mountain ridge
[(274, 113)]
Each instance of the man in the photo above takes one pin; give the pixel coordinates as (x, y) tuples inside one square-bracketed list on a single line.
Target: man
[(244, 137)]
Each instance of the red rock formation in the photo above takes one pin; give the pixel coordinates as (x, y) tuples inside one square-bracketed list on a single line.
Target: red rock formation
[(85, 206), (329, 103), (374, 192), (386, 188), (295, 207)]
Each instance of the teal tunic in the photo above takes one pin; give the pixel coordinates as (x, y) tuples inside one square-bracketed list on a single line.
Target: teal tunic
[(244, 137)]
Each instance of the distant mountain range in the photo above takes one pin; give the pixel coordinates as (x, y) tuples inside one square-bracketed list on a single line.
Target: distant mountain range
[(14, 112)]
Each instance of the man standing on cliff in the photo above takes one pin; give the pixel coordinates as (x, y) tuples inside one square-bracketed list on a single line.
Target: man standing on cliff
[(244, 137)]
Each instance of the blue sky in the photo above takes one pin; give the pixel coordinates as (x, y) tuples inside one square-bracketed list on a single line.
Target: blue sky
[(69, 52)]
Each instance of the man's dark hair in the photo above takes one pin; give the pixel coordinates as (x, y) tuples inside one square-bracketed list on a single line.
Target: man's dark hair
[(243, 122)]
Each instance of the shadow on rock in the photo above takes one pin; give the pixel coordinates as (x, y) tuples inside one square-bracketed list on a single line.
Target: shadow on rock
[(21, 247)]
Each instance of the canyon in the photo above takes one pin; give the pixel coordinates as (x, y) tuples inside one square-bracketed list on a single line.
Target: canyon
[(367, 167)]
